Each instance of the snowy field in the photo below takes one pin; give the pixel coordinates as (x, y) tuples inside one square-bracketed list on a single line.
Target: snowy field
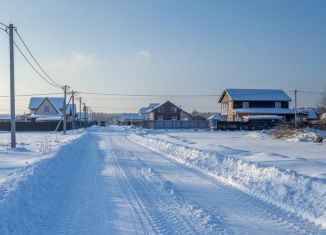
[(116, 180)]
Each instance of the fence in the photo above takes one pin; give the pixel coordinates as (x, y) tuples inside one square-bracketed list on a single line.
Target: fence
[(175, 124), (252, 125), (39, 126)]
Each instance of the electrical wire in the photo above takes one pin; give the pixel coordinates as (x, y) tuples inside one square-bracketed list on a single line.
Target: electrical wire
[(35, 68), (28, 95), (30, 53), (4, 25)]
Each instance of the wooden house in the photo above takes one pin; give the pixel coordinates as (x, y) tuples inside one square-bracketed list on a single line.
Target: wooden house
[(167, 111), (241, 104)]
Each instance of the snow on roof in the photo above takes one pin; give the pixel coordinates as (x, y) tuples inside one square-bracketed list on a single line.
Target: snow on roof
[(310, 112), (35, 102), (263, 117), (144, 110), (216, 116), (5, 116), (323, 116), (257, 95), (57, 102), (153, 105), (132, 117), (265, 110)]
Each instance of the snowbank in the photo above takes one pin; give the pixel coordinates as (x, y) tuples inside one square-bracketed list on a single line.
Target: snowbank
[(298, 194)]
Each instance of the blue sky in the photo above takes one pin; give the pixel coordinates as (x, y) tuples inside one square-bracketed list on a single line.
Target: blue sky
[(167, 47)]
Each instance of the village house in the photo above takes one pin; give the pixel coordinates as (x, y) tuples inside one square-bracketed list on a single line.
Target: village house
[(164, 111), (248, 104), (49, 109)]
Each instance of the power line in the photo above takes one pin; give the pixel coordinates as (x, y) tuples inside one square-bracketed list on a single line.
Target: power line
[(25, 45), (4, 25), (28, 95), (56, 86), (146, 95)]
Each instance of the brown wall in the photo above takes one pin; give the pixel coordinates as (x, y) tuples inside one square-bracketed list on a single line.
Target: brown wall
[(166, 114)]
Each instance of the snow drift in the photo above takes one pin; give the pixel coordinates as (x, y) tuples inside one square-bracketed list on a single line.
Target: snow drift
[(301, 195)]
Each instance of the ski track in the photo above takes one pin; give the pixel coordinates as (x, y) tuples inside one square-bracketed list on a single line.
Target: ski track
[(103, 183)]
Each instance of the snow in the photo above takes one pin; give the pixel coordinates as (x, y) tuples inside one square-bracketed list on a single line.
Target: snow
[(257, 95), (263, 117), (98, 181), (57, 102), (215, 117), (296, 193)]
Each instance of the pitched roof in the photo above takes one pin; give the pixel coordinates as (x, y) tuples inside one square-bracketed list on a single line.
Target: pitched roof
[(35, 102), (143, 110), (153, 105), (256, 95), (57, 103), (159, 105), (216, 116)]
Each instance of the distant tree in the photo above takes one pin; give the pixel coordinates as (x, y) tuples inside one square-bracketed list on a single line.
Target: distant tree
[(194, 112)]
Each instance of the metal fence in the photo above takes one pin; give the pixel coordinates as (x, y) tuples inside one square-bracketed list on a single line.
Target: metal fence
[(175, 124)]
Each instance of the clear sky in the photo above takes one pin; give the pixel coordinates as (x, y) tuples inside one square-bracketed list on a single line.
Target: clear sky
[(166, 47)]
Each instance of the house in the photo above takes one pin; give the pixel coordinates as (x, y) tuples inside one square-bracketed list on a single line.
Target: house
[(241, 104), (131, 119), (167, 111), (309, 114), (144, 111), (49, 109), (212, 120)]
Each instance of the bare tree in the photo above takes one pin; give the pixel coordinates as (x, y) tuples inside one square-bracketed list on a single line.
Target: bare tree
[(321, 107)]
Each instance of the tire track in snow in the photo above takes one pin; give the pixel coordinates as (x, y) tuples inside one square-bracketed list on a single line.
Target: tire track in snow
[(158, 213), (267, 211)]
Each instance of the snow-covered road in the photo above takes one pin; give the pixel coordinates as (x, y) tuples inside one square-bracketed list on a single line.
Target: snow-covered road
[(102, 183)]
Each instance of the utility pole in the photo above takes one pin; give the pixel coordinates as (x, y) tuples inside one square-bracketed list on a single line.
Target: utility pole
[(80, 111), (84, 114), (12, 87), (65, 87), (295, 108), (73, 109)]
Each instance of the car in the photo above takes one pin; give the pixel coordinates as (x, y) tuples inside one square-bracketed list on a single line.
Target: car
[(102, 123)]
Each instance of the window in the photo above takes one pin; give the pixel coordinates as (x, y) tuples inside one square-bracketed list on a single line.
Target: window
[(245, 105), (174, 109), (160, 118), (161, 109), (46, 109), (278, 105), (174, 118)]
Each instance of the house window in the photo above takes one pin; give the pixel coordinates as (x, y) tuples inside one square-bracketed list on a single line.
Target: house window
[(46, 109), (278, 105), (174, 118), (161, 109), (245, 105), (160, 118), (174, 109)]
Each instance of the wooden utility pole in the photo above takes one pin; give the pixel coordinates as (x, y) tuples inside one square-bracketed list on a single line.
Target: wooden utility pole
[(73, 109), (295, 109), (65, 87), (12, 87)]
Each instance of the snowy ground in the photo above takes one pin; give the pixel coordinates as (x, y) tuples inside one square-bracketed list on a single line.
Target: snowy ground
[(31, 148), (301, 156), (105, 183)]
